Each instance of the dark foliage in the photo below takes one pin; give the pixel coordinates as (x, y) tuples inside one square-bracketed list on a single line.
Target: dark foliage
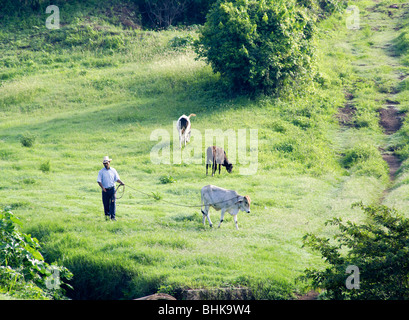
[(379, 248)]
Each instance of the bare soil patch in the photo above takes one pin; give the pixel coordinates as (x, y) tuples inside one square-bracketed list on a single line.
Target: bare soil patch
[(346, 114), (393, 162), (311, 295), (390, 119)]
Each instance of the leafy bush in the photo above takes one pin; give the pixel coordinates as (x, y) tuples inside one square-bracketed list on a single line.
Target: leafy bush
[(330, 6), (401, 142), (45, 166), (8, 6), (379, 248), (323, 8), (166, 179), (401, 43), (29, 181), (181, 42), (23, 271), (27, 140), (258, 46), (365, 160), (357, 154)]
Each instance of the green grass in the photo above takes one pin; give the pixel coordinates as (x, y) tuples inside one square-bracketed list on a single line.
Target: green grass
[(82, 103)]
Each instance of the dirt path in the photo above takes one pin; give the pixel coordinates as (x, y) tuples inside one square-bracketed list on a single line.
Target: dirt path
[(391, 121), (385, 28), (390, 117), (346, 114)]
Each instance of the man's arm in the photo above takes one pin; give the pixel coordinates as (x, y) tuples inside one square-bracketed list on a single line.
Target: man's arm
[(117, 179), (103, 189)]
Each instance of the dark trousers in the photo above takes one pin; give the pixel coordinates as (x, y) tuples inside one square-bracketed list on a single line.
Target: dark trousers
[(108, 199)]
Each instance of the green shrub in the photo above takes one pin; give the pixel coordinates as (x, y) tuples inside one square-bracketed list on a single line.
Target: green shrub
[(401, 43), (29, 181), (258, 46), (365, 119), (324, 8), (357, 154), (45, 166), (23, 271), (181, 41), (10, 6), (402, 152), (379, 248), (27, 140), (113, 42), (400, 143), (365, 160), (331, 6), (166, 179)]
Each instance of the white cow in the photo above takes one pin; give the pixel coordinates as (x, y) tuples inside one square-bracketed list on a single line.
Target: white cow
[(184, 128), (224, 200)]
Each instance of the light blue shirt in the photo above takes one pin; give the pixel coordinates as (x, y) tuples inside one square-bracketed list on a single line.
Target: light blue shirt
[(107, 177)]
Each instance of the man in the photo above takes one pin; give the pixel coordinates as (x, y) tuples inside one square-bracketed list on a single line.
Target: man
[(106, 180)]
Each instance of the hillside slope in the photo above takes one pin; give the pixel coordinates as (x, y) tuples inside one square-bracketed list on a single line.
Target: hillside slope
[(93, 89)]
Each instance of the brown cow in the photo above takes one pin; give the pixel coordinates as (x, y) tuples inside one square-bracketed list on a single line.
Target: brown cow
[(217, 156)]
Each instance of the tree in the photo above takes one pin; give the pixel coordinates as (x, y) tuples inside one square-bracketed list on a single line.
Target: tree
[(163, 12), (258, 46), (379, 249)]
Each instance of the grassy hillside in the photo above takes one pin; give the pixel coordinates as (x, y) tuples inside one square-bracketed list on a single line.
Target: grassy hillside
[(93, 89)]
